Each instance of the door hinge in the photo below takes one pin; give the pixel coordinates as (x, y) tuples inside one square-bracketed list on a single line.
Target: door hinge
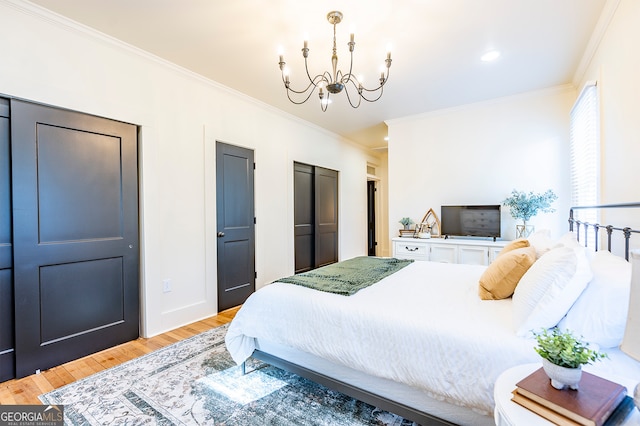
[(254, 220), (254, 166), (255, 275)]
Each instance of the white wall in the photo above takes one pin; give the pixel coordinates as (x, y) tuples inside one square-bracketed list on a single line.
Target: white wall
[(615, 65), (50, 60), (478, 153)]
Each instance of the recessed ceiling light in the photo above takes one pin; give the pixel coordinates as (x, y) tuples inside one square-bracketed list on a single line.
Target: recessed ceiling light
[(491, 55)]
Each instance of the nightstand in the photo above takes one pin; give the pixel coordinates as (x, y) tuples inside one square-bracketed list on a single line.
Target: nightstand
[(508, 413)]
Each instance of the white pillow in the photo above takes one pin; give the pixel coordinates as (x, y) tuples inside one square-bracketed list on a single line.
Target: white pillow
[(600, 313), (541, 241), (549, 288), (570, 239)]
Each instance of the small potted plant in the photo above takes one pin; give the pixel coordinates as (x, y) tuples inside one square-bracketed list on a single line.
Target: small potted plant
[(563, 356), (525, 206), (406, 222)]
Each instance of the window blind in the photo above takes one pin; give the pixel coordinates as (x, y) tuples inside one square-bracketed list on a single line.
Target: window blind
[(584, 140)]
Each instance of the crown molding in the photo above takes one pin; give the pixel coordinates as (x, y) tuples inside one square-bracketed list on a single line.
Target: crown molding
[(606, 16), (87, 32)]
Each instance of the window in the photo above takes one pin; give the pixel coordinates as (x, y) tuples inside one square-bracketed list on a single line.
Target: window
[(584, 139)]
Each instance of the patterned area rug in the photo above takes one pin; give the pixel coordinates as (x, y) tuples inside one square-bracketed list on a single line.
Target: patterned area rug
[(195, 382)]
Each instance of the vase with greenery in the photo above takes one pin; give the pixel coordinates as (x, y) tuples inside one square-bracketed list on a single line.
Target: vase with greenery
[(563, 356), (524, 206), (406, 222)]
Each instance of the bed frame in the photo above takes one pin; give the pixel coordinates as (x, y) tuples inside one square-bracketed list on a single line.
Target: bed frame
[(626, 231), (399, 408)]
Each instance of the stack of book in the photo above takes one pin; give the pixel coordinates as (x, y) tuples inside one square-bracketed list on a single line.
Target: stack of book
[(597, 402), (407, 232)]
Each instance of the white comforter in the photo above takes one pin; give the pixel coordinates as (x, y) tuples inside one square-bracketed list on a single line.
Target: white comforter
[(424, 326)]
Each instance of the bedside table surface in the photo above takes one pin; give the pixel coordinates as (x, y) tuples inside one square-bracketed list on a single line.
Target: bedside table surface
[(508, 413)]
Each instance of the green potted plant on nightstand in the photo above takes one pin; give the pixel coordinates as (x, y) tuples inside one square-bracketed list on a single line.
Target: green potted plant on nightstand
[(563, 356)]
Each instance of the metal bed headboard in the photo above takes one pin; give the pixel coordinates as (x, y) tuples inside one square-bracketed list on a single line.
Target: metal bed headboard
[(626, 231)]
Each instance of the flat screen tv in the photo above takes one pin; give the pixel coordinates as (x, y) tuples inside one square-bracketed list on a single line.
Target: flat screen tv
[(470, 221)]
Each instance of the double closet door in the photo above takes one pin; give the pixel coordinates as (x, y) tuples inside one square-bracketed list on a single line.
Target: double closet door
[(315, 216), (69, 255)]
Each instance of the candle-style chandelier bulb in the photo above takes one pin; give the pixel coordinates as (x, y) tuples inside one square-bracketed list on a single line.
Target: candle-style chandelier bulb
[(334, 81)]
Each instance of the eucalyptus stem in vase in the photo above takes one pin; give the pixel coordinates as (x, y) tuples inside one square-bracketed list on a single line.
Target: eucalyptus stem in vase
[(524, 206)]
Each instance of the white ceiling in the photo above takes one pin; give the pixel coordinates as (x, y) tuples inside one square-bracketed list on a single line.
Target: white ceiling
[(436, 48)]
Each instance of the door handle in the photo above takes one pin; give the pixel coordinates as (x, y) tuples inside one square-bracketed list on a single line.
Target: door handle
[(220, 234)]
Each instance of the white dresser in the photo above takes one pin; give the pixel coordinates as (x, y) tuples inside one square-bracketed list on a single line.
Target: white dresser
[(451, 250)]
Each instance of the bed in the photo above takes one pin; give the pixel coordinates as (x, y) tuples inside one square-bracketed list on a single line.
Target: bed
[(421, 342)]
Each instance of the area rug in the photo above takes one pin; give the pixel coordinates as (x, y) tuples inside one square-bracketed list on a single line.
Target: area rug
[(195, 382)]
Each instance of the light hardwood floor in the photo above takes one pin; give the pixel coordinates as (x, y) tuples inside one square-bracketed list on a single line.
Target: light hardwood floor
[(27, 389)]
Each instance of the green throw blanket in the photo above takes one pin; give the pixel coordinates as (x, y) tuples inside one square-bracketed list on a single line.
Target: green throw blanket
[(349, 276)]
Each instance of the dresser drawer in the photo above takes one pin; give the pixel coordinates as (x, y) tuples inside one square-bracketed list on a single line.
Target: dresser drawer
[(411, 250)]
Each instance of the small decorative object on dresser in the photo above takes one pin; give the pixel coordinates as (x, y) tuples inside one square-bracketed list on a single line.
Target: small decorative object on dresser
[(429, 226), (406, 222), (525, 206), (407, 230), (563, 356)]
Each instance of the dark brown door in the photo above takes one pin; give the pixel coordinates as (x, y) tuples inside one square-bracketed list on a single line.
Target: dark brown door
[(371, 218), (326, 206), (7, 361), (304, 217), (315, 216), (75, 234), (235, 225)]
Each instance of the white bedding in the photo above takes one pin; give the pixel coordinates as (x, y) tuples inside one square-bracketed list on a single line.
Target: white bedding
[(424, 326)]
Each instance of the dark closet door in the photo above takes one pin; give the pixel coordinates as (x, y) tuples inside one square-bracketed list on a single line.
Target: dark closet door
[(6, 272), (75, 234), (304, 217), (235, 225), (315, 216), (326, 203)]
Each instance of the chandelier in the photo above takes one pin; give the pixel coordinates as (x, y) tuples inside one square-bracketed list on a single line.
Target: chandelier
[(334, 82)]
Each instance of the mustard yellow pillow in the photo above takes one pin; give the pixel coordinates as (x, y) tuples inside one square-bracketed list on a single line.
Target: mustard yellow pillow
[(500, 278), (514, 245)]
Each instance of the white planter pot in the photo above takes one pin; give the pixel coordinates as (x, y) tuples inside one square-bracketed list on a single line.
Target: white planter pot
[(562, 377)]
